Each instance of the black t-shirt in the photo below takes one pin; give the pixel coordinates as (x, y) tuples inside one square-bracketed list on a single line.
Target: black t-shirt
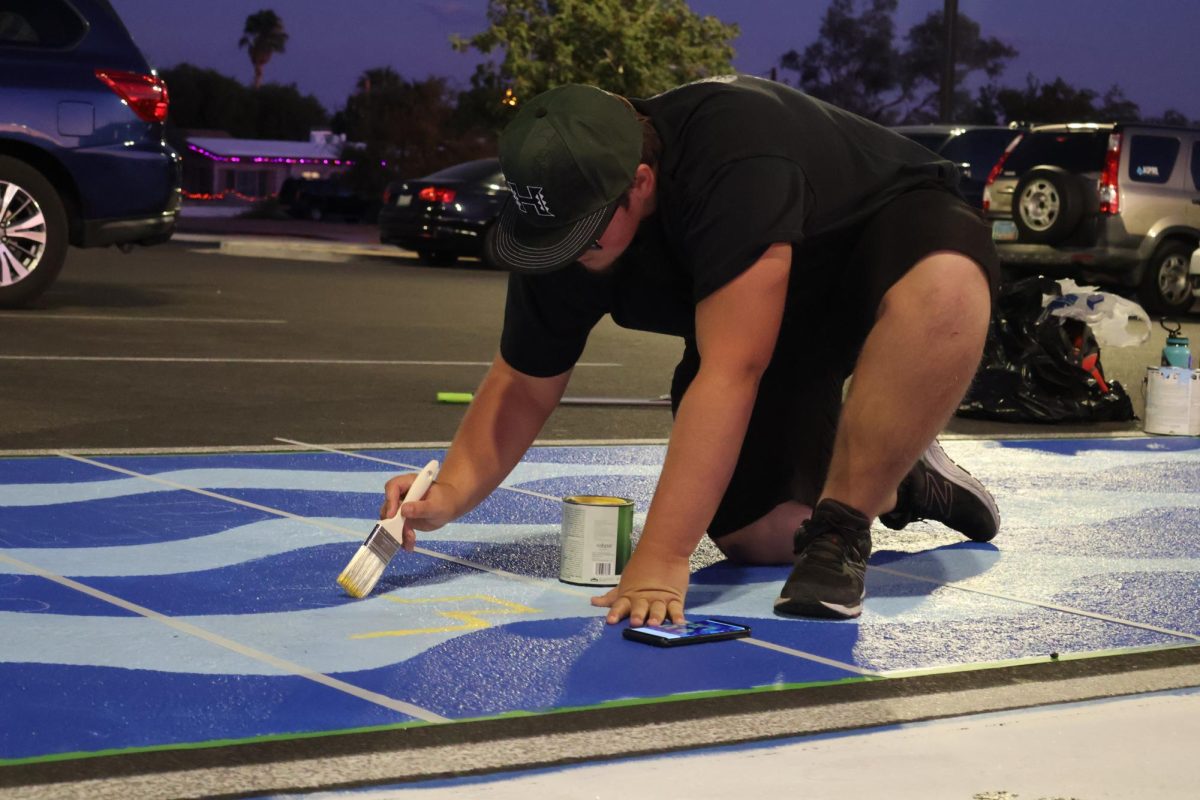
[(746, 163)]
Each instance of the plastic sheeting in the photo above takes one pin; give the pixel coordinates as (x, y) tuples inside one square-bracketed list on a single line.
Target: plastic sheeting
[(1041, 367)]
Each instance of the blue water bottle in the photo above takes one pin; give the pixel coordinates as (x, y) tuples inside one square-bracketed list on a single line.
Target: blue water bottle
[(1176, 352)]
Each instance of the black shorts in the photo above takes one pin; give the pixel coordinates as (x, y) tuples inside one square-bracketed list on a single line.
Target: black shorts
[(837, 284)]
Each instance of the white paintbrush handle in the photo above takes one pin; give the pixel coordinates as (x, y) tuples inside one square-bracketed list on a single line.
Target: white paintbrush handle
[(416, 491)]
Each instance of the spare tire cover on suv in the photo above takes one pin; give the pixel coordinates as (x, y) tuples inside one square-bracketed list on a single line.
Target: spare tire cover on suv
[(1047, 205)]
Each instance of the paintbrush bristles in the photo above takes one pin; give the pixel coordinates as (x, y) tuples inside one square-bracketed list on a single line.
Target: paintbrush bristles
[(364, 570), (362, 573)]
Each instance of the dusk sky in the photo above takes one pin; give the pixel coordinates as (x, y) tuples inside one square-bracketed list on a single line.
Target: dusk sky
[(1148, 47)]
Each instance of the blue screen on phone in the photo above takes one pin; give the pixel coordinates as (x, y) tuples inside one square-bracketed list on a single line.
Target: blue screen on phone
[(672, 630)]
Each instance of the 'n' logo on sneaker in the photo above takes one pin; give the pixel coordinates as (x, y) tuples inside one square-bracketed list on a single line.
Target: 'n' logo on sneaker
[(939, 495), (530, 199)]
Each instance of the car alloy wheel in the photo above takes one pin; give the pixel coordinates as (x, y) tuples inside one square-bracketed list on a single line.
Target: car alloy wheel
[(34, 232), (1040, 204), (1166, 286), (22, 234), (1173, 283)]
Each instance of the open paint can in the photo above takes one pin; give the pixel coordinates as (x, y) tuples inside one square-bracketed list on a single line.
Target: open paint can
[(595, 540), (1172, 401)]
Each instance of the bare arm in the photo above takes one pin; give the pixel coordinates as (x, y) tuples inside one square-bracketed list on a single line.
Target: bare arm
[(505, 416), (736, 329)]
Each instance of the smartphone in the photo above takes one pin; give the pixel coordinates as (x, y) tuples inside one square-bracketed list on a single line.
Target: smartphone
[(670, 634)]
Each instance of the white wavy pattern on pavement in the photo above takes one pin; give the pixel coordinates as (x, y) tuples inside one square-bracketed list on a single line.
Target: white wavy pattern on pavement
[(48, 494), (433, 614)]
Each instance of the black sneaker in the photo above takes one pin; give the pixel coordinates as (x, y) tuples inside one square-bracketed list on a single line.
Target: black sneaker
[(940, 490), (827, 579)]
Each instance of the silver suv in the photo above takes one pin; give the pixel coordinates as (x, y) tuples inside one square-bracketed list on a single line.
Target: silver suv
[(1114, 204)]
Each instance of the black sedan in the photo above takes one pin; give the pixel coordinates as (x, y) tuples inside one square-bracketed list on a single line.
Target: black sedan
[(444, 215), (974, 148)]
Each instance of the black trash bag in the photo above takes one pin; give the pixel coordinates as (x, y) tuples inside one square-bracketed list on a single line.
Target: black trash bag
[(1038, 367)]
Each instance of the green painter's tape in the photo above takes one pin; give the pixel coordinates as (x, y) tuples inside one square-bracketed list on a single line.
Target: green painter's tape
[(454, 397)]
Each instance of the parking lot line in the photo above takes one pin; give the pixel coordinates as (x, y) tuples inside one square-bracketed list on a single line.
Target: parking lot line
[(553, 586), (354, 534), (286, 361), (1049, 606), (26, 316), (402, 465), (282, 664), (949, 584)]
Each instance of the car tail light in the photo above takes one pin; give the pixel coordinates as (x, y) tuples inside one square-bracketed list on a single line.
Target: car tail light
[(1110, 195), (146, 95), (997, 168), (387, 196), (437, 194)]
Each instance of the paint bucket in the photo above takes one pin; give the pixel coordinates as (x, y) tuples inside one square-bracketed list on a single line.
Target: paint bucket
[(595, 539), (1172, 401)]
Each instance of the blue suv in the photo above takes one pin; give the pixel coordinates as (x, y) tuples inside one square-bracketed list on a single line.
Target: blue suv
[(82, 156)]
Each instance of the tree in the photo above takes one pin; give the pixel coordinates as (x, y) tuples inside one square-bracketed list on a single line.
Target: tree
[(1059, 101), (262, 37), (854, 63), (283, 113), (636, 48), (407, 129), (205, 99), (1173, 116), (922, 64)]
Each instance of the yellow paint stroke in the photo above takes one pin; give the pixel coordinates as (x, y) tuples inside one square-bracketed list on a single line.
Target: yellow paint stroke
[(468, 620)]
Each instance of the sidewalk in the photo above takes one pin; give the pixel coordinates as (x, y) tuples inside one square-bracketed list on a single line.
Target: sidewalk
[(356, 233), (297, 239)]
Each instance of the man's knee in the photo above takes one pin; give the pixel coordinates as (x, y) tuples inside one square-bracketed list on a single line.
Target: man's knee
[(946, 292), (767, 540)]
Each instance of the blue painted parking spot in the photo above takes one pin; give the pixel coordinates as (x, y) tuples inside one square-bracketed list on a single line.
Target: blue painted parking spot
[(208, 586), (55, 709)]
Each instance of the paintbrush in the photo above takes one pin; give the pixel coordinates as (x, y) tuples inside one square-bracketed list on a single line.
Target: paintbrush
[(364, 570)]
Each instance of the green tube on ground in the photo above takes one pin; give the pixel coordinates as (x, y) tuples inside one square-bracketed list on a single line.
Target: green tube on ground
[(454, 397)]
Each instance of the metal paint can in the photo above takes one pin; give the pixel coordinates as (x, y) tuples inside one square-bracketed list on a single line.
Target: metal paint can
[(595, 540), (1172, 401)]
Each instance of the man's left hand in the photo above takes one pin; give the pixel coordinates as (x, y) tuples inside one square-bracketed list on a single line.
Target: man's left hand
[(652, 591)]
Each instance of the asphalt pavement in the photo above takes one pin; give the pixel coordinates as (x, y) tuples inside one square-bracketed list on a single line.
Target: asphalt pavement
[(219, 340), (186, 345)]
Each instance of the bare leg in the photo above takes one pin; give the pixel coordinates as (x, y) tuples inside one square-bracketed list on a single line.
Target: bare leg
[(767, 540), (914, 369)]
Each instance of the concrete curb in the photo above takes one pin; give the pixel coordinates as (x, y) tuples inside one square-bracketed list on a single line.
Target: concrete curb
[(293, 249)]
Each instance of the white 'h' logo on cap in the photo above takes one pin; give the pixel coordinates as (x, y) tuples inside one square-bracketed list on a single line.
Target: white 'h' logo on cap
[(530, 198)]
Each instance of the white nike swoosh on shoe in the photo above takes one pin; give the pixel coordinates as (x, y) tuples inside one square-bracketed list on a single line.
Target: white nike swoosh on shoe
[(848, 611)]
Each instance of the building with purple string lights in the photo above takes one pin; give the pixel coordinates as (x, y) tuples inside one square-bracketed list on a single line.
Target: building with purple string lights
[(217, 166)]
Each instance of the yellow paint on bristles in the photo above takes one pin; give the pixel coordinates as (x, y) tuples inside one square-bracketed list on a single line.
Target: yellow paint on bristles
[(362, 573), (350, 586)]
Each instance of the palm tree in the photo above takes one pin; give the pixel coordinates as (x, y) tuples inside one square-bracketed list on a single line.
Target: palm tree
[(264, 35)]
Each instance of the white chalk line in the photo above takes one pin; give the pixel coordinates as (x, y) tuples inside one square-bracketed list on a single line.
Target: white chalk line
[(1038, 603), (759, 642), (229, 644), (364, 457), (355, 534), (997, 595)]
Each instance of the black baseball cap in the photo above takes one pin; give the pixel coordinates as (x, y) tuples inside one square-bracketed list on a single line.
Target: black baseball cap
[(568, 157)]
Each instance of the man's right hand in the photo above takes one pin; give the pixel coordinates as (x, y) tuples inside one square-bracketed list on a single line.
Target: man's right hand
[(439, 506)]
